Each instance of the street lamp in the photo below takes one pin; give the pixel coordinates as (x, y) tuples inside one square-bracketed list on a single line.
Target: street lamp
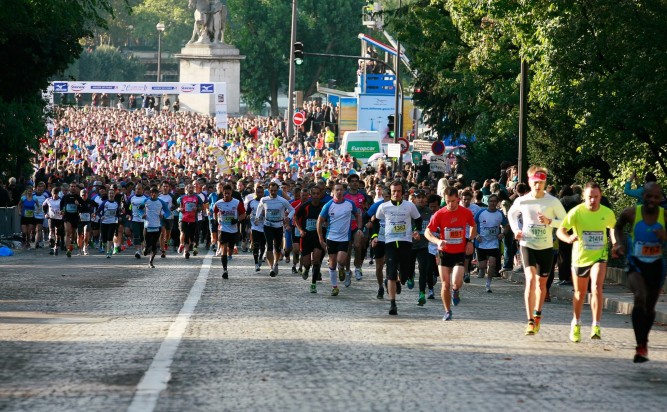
[(160, 29)]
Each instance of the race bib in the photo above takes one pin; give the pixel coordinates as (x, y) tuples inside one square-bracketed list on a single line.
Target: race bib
[(311, 225), (648, 250), (273, 214), (454, 235), (56, 214), (489, 231), (296, 232), (152, 229), (593, 240), (226, 219), (398, 229), (29, 213), (190, 206), (538, 232), (71, 208), (85, 217), (39, 209), (110, 213)]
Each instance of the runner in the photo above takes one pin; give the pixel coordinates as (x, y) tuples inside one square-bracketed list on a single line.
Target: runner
[(646, 265), (378, 241), (167, 220), (540, 213), (136, 217), (109, 211), (491, 228), (40, 195), (213, 197), (55, 217), (466, 201), (302, 197), (257, 227), (419, 254), (398, 216), (228, 212), (27, 213), (189, 205), (69, 204), (456, 226), (305, 220), (589, 222), (87, 209), (153, 209), (359, 238), (337, 214), (272, 209)]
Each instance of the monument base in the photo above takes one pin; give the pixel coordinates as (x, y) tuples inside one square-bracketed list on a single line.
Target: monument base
[(214, 63)]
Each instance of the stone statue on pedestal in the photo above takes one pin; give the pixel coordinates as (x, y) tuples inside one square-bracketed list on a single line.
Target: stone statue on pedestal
[(210, 21)]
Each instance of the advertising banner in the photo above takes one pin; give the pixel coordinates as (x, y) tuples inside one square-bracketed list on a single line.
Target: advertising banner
[(373, 112), (348, 115)]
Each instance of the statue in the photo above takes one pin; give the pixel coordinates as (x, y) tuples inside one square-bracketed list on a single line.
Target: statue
[(210, 21)]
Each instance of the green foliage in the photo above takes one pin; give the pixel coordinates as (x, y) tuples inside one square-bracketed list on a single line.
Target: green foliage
[(20, 118), (106, 63)]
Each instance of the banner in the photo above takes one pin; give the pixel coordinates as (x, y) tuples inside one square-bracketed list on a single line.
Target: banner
[(223, 165)]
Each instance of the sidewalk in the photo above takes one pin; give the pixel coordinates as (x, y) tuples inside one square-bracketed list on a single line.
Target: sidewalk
[(617, 297)]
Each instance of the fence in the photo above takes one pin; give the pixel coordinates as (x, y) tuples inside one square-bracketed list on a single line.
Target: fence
[(10, 221)]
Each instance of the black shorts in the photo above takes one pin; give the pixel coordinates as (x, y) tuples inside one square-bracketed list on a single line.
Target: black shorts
[(652, 272), (334, 247), (585, 271), (227, 238), (108, 230), (274, 238), (95, 225), (542, 259), (398, 256), (379, 250), (26, 221), (484, 254), (83, 227), (72, 218), (258, 239), (168, 224), (213, 225), (188, 230), (309, 243), (449, 260)]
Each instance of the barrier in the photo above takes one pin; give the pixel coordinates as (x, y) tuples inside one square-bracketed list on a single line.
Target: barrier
[(10, 221)]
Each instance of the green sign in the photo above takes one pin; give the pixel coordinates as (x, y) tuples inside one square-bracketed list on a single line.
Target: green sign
[(363, 149), (416, 157)]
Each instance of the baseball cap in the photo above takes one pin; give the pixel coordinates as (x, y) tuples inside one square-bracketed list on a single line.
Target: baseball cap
[(181, 186), (420, 192), (538, 177)]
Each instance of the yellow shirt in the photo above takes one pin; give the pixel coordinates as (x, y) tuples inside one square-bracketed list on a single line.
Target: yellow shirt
[(591, 231)]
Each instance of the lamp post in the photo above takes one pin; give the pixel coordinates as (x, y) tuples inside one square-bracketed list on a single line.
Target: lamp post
[(160, 29)]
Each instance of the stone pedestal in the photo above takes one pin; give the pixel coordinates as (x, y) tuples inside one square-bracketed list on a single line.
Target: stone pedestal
[(211, 63)]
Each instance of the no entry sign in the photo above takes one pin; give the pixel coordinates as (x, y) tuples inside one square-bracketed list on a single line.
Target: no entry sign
[(299, 118)]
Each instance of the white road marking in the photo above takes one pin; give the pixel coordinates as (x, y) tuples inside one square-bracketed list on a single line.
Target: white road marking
[(157, 376)]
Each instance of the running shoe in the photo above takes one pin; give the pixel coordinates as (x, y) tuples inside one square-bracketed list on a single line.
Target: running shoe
[(287, 257), (273, 273), (85, 253), (69, 253), (334, 291), (371, 262), (380, 293), (341, 274), (348, 279), (108, 255), (488, 290), (229, 257), (294, 271), (358, 274), (180, 249), (488, 287), (187, 255), (411, 283), (101, 249), (55, 250), (275, 269), (530, 328), (129, 242), (448, 315), (313, 288), (398, 288), (595, 332), (116, 250), (51, 252), (195, 251), (304, 274), (393, 310), (422, 299), (641, 354), (163, 254), (538, 320), (236, 250), (256, 267), (151, 265), (225, 275), (466, 278), (137, 255), (480, 274), (431, 294), (456, 298), (145, 251), (575, 333)]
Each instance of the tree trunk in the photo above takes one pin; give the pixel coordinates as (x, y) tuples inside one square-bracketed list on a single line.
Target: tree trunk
[(654, 148)]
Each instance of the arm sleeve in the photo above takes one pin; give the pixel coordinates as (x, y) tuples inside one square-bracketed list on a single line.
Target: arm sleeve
[(628, 190), (559, 212)]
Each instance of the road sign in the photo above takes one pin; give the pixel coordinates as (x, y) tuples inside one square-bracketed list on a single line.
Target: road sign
[(299, 118), (438, 148), (416, 157), (405, 145), (421, 145), (438, 165)]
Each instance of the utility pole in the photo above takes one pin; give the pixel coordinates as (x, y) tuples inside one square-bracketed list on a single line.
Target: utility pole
[(397, 104), (290, 88), (523, 122)]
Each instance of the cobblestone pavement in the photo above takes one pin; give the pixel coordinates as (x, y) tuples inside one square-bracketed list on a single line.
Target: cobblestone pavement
[(81, 333)]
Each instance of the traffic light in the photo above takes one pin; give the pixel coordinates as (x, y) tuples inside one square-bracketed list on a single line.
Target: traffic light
[(391, 126), (298, 52)]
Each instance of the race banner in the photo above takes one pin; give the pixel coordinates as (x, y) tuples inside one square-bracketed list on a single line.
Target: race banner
[(223, 165)]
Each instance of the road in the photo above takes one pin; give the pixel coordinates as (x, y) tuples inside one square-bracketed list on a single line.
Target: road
[(96, 334)]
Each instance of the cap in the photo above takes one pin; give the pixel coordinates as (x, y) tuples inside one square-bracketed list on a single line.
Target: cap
[(420, 192), (97, 183), (538, 177), (181, 186)]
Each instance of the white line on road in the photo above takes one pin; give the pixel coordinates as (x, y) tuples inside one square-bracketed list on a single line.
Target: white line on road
[(158, 374)]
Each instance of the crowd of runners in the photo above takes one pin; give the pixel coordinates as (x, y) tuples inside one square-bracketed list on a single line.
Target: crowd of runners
[(112, 180)]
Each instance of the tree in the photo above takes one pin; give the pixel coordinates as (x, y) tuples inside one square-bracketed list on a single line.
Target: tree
[(106, 63), (35, 46)]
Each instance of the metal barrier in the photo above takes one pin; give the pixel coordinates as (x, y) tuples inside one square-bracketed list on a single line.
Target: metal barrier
[(10, 221)]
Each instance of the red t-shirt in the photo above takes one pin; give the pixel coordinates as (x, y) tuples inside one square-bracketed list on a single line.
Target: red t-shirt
[(452, 227)]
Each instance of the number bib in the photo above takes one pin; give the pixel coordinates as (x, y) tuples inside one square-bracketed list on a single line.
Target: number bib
[(592, 240), (489, 231), (311, 225), (190, 206), (152, 229), (454, 235), (39, 209), (110, 213), (273, 215), (71, 208), (56, 214), (29, 213), (226, 219), (648, 250), (85, 217), (538, 232), (397, 228)]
